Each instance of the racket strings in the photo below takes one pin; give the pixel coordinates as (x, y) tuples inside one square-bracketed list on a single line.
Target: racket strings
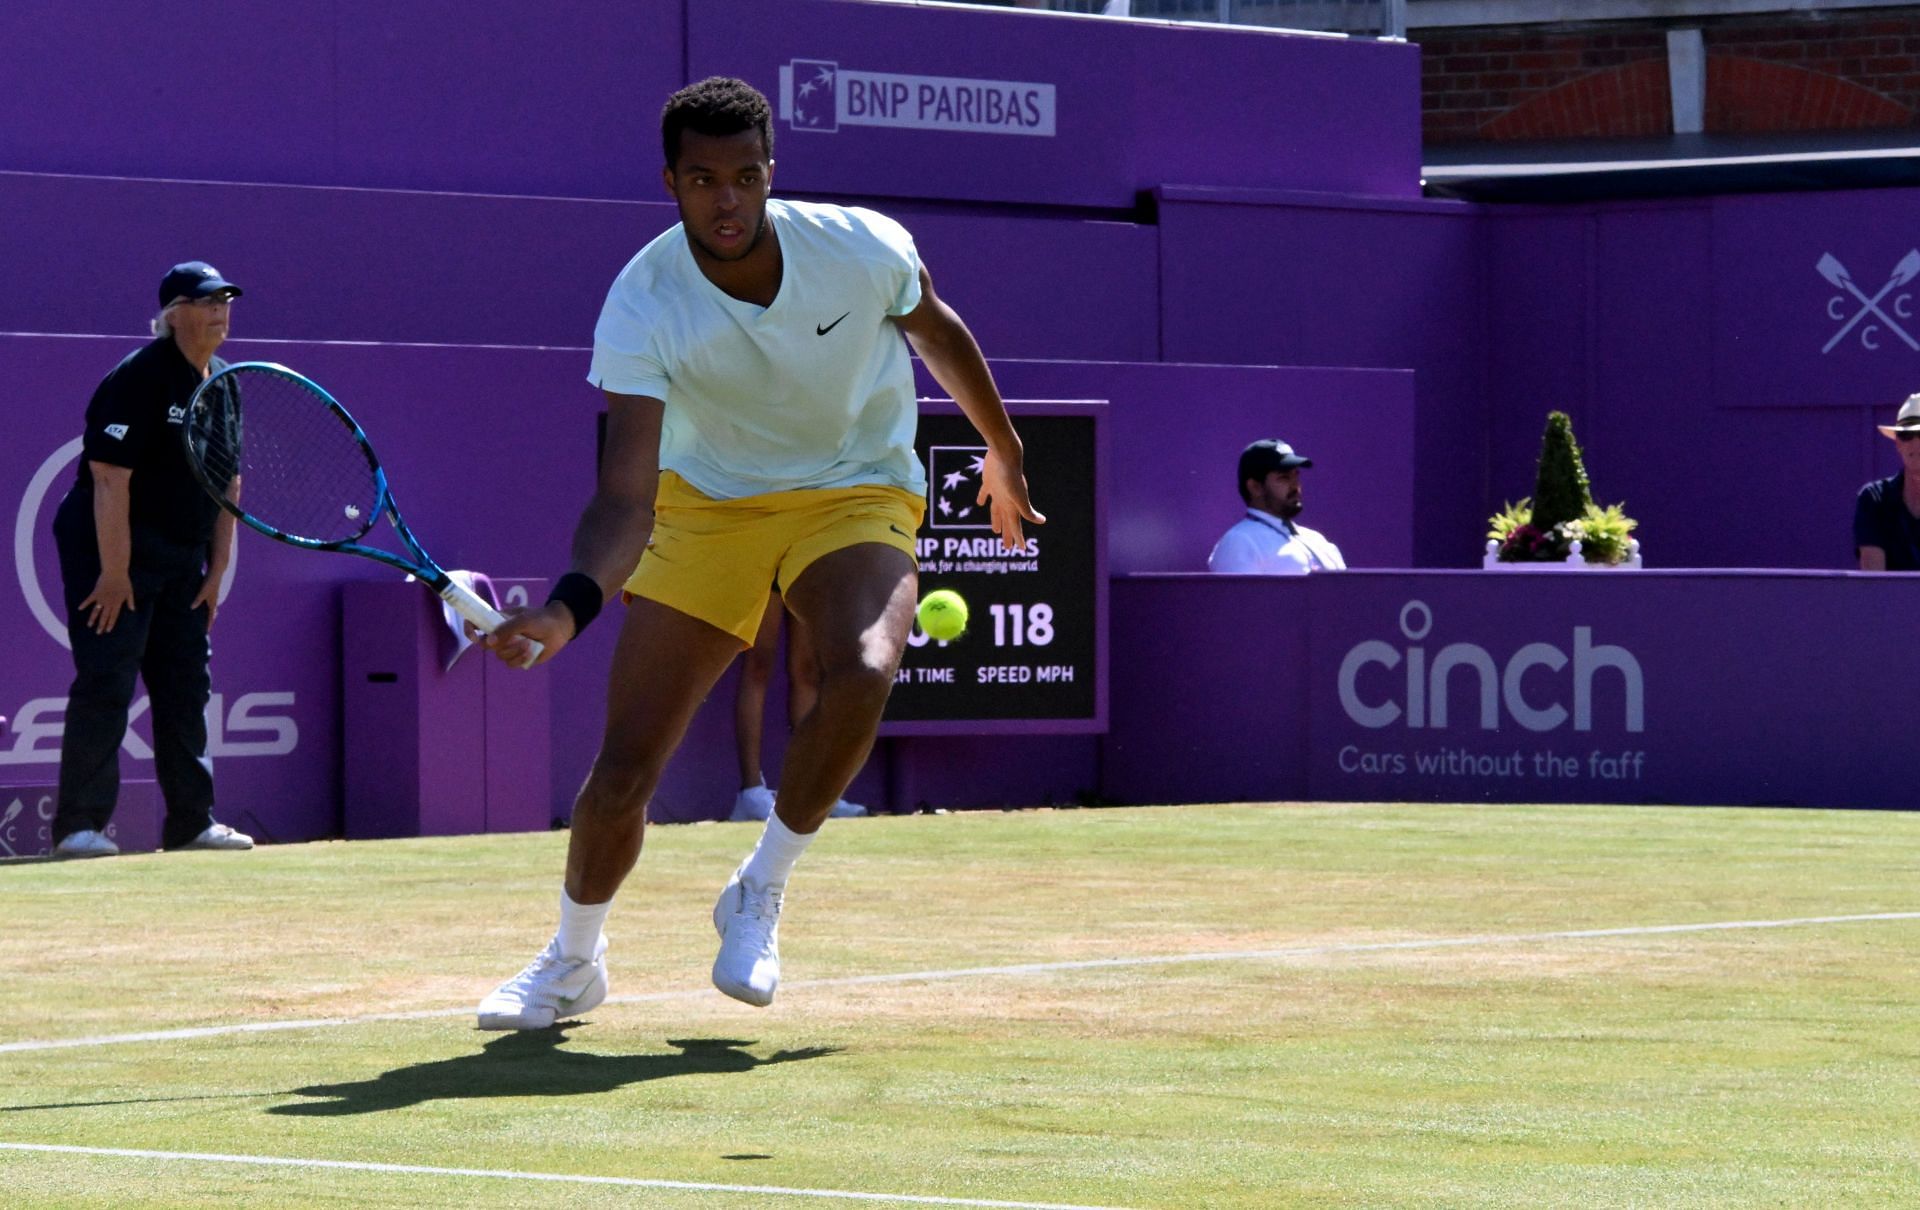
[(302, 469)]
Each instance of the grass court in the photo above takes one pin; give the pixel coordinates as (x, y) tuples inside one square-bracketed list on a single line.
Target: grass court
[(1235, 1006)]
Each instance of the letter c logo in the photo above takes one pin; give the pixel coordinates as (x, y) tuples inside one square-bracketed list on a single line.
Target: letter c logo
[(26, 524)]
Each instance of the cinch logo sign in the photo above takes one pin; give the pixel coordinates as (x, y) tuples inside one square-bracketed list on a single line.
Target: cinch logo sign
[(818, 94), (1420, 697)]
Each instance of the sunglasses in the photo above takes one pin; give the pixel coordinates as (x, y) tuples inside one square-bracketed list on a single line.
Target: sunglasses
[(1907, 435)]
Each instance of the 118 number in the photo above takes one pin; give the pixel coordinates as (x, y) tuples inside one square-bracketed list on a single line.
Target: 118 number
[(1022, 625)]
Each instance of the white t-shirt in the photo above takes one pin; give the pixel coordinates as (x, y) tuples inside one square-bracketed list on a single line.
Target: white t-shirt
[(812, 391), (1261, 544)]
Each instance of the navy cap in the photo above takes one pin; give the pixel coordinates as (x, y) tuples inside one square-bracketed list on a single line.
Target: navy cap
[(1262, 458), (194, 279)]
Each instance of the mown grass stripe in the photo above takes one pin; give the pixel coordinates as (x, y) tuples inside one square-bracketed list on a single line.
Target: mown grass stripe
[(632, 1182), (988, 972)]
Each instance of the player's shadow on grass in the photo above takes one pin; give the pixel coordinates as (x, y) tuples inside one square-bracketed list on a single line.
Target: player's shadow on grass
[(531, 1064)]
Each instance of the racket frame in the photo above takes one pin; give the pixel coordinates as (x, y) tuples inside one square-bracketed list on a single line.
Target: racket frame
[(468, 604)]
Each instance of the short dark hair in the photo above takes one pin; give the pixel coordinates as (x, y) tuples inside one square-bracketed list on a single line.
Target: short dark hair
[(717, 105)]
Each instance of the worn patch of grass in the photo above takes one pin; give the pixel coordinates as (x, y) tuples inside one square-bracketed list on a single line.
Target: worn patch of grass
[(1718, 1068)]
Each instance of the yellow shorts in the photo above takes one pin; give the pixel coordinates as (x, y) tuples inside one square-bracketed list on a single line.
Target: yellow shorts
[(716, 560)]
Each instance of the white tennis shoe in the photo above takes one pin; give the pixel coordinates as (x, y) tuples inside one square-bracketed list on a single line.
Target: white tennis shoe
[(748, 921), (220, 836), (85, 843), (550, 989)]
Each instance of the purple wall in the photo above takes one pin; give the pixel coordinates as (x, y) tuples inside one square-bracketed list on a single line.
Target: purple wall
[(1677, 707), (352, 264), (476, 440), (428, 243), (563, 98), (1281, 280), (1690, 342), (1177, 431), (560, 98), (1174, 432), (1124, 114), (451, 426)]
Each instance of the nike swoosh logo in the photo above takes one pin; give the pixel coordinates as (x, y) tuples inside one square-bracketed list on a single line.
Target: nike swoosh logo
[(903, 533), (820, 331)]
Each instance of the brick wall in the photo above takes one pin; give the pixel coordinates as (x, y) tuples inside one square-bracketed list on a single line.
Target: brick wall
[(1801, 72)]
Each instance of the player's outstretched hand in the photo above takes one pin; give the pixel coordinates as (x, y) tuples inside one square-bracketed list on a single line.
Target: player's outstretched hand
[(1004, 481), (551, 625)]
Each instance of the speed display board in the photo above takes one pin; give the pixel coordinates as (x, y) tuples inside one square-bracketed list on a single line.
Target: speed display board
[(1033, 658)]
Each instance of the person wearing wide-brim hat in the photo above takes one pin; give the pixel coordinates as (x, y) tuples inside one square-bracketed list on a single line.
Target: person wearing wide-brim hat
[(1886, 516)]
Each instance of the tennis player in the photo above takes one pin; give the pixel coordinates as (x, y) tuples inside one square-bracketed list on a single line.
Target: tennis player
[(760, 436)]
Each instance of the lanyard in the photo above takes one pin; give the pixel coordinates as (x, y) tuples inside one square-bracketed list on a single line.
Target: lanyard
[(1286, 529)]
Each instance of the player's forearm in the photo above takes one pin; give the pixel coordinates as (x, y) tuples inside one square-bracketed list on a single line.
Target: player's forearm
[(611, 537), (954, 359)]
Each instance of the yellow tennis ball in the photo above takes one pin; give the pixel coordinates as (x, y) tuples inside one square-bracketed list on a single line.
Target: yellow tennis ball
[(942, 614)]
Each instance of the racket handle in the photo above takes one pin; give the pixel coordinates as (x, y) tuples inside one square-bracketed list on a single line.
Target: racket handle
[(485, 617)]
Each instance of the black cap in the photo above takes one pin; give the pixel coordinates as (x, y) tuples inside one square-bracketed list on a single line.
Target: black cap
[(1262, 458), (194, 279)]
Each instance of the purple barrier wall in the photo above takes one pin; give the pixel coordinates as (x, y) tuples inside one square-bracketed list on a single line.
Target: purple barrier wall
[(905, 101), (560, 98), (563, 98), (376, 265), (1689, 340), (452, 430), (1621, 687), (490, 451), (27, 807), (1175, 431), (1693, 341), (1279, 280), (1177, 435), (1697, 342)]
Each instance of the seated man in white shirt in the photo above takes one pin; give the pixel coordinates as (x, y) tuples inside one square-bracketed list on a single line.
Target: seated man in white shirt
[(1266, 542)]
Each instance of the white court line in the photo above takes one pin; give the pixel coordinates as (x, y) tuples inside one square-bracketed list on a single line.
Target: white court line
[(987, 972), (631, 1182)]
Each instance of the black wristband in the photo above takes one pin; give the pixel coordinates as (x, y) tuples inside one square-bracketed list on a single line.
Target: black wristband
[(581, 594)]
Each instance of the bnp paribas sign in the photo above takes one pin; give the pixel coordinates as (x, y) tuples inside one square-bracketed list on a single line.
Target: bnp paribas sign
[(820, 95)]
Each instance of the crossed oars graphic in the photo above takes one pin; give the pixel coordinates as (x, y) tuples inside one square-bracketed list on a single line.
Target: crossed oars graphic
[(13, 809), (1904, 272)]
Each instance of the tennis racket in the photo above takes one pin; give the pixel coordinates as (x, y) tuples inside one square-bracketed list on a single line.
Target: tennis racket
[(281, 454)]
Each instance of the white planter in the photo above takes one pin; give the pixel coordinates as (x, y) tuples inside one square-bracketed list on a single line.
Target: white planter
[(1573, 562)]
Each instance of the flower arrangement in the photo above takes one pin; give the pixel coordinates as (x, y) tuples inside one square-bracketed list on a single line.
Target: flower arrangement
[(1546, 526)]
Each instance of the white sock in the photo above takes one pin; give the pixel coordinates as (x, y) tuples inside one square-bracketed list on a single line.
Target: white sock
[(774, 857), (580, 925)]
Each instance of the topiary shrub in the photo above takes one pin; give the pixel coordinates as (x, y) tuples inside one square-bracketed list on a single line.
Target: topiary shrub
[(1543, 527), (1561, 492)]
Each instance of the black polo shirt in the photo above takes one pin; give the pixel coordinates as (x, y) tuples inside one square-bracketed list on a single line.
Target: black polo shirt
[(134, 420), (1880, 518)]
